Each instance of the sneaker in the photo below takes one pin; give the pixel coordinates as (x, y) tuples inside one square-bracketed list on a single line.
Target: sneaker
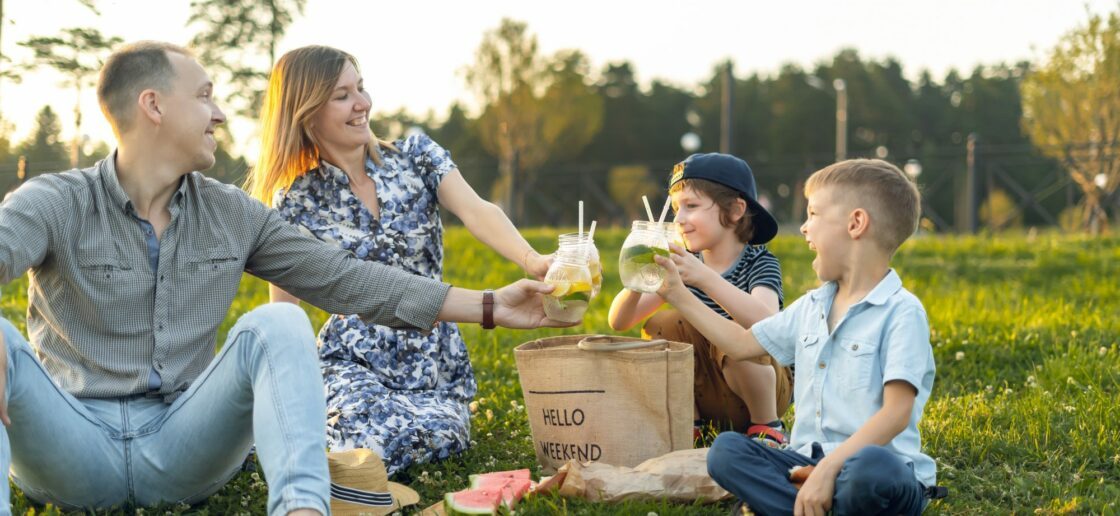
[(768, 435)]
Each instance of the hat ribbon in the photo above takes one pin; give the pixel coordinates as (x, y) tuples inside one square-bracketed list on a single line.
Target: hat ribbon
[(370, 498)]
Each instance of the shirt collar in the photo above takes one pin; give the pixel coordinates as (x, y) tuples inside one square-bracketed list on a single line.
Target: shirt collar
[(886, 287), (112, 183)]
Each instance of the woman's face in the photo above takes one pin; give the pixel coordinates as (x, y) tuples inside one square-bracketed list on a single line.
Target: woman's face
[(343, 122)]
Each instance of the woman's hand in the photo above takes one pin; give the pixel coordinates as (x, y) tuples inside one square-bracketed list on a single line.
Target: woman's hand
[(536, 265)]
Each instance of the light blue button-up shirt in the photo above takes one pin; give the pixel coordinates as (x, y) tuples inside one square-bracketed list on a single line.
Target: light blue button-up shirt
[(840, 376)]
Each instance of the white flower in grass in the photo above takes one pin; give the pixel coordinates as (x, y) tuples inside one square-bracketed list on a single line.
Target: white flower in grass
[(988, 388), (1069, 408), (489, 415), (1070, 380), (1008, 391), (473, 407), (1073, 334), (1103, 351), (960, 356)]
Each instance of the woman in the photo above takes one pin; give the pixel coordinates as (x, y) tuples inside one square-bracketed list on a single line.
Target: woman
[(402, 393)]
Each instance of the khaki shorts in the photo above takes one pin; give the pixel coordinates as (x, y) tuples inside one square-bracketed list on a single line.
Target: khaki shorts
[(715, 400)]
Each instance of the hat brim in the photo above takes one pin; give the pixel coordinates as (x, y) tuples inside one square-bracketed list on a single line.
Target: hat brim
[(403, 496), (765, 227)]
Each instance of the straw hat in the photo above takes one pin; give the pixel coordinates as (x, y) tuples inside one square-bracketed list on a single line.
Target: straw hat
[(360, 485)]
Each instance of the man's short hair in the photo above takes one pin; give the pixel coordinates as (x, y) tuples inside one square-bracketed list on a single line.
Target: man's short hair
[(130, 70), (892, 200)]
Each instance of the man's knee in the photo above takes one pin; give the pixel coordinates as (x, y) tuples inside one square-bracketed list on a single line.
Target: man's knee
[(279, 324), (13, 338)]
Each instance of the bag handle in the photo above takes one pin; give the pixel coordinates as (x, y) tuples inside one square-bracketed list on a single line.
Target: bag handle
[(603, 343)]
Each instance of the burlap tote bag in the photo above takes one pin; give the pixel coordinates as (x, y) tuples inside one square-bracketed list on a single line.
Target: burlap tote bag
[(615, 400)]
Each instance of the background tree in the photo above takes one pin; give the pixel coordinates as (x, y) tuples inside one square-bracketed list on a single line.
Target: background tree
[(1071, 109), (77, 53), (535, 108), (237, 39), (44, 150)]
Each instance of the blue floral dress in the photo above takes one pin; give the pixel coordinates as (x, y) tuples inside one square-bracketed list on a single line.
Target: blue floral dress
[(401, 393)]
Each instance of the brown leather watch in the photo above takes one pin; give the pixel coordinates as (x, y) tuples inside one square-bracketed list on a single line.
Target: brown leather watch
[(488, 309)]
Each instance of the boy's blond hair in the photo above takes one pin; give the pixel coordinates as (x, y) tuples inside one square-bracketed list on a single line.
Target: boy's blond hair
[(892, 200)]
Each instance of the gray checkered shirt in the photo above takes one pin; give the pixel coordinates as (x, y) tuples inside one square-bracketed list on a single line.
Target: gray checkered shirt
[(101, 319)]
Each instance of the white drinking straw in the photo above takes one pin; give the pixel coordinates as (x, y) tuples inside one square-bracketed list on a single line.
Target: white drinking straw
[(580, 218), (649, 212), (590, 241), (664, 211), (591, 232)]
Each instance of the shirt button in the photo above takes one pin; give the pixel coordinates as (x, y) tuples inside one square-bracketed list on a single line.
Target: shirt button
[(161, 278), (855, 347), (821, 365), (215, 266), (161, 329)]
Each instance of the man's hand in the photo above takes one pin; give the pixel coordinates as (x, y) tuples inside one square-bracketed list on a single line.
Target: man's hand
[(4, 382), (815, 497), (693, 271), (519, 305)]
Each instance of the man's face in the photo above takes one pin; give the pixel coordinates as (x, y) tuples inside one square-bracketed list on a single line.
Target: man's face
[(189, 113)]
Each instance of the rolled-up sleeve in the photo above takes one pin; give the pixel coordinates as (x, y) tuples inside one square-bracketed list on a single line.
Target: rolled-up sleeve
[(336, 281), (778, 333), (26, 226)]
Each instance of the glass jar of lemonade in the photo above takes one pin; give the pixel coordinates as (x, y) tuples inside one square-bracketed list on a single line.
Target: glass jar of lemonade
[(580, 242), (571, 277), (636, 267), (672, 233)]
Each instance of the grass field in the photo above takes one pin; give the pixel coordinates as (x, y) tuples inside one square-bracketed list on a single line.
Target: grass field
[(1024, 416)]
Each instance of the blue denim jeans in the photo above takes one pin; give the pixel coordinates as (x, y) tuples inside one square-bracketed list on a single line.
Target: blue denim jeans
[(263, 386), (873, 481)]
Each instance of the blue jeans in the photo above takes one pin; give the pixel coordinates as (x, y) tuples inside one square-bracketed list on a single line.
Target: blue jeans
[(264, 386), (873, 481)]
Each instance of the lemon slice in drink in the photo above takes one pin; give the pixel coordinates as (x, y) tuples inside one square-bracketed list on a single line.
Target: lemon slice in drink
[(562, 287)]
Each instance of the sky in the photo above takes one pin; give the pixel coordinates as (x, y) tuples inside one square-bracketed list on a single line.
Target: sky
[(413, 57)]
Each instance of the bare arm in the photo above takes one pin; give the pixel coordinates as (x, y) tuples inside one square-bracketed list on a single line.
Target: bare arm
[(731, 338), (489, 224), (629, 308), (746, 308), (898, 404), (279, 295)]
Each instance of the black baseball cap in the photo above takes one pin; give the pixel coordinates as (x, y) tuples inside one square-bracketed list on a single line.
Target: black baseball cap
[(735, 174)]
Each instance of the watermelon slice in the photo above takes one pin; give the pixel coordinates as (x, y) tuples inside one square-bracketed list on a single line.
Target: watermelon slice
[(488, 492), (472, 501), (486, 479)]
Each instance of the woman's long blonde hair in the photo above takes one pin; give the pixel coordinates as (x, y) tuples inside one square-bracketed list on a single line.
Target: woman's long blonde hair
[(300, 84)]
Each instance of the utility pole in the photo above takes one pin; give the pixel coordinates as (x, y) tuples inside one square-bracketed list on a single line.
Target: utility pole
[(726, 120), (841, 119), (970, 187)]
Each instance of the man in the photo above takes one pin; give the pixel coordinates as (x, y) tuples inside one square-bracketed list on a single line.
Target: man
[(134, 263)]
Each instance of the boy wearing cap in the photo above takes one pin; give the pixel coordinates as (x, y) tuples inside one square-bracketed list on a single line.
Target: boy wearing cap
[(861, 345), (731, 274)]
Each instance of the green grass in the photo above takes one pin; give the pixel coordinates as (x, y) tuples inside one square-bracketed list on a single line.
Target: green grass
[(1024, 415)]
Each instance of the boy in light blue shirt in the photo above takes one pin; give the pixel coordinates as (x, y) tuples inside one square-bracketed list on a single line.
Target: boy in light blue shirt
[(861, 348)]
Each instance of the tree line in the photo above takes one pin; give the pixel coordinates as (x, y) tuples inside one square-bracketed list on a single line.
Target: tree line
[(545, 116)]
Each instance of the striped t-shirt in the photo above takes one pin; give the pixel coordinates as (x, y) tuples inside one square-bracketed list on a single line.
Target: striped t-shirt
[(756, 267)]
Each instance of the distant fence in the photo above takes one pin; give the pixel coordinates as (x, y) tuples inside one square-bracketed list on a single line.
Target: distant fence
[(963, 189)]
